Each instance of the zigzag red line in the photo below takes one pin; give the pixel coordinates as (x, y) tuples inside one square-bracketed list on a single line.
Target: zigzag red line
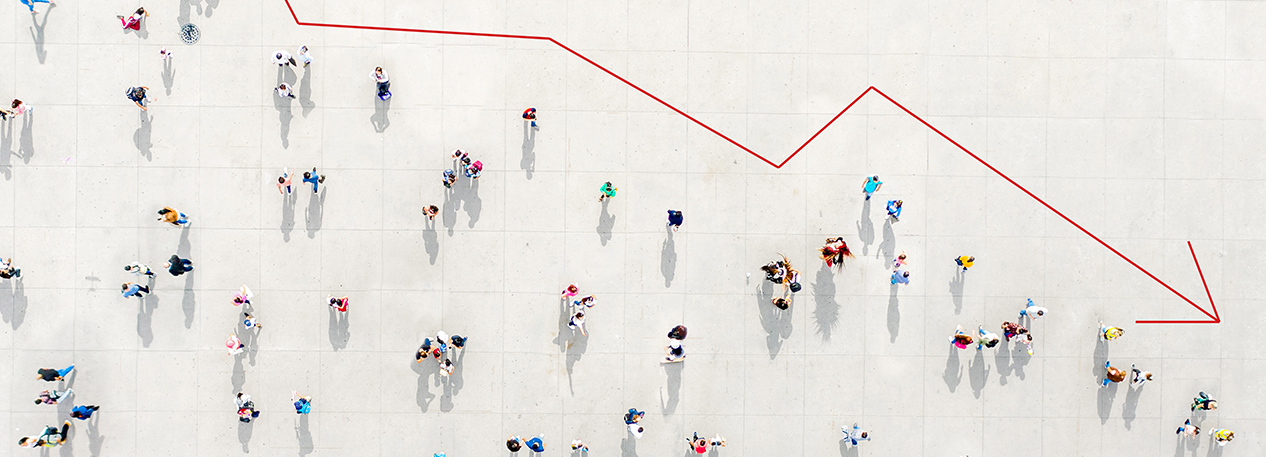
[(1215, 318)]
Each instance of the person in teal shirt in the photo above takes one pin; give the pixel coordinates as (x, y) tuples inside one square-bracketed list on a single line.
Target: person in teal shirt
[(871, 185)]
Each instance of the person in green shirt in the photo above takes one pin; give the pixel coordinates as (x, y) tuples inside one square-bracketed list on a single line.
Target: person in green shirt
[(608, 191)]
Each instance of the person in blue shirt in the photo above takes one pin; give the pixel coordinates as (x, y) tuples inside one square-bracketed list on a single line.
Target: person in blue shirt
[(894, 209), (674, 219), (83, 412), (303, 405), (537, 443)]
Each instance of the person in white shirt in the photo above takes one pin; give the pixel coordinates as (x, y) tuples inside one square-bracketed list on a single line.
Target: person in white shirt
[(304, 55), (282, 58), (855, 434), (1032, 310), (283, 90)]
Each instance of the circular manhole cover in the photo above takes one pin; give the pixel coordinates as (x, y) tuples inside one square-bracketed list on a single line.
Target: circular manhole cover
[(189, 33)]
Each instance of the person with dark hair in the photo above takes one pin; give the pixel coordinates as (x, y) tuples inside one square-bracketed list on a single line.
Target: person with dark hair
[(131, 288), (314, 178), (530, 115), (1113, 374), (675, 352), (50, 375), (514, 443), (961, 339), (178, 266), (137, 95), (537, 443), (83, 412), (134, 21), (675, 219), (608, 191), (430, 212), (987, 339), (781, 303), (384, 83), (678, 333), (1204, 403), (52, 396)]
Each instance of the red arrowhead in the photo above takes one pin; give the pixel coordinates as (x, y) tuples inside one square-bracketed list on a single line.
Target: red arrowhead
[(1214, 318)]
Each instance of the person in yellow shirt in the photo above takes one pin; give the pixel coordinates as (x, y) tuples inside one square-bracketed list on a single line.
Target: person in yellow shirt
[(965, 261)]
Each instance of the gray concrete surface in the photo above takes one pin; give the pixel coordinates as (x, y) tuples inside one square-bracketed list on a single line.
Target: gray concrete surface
[(1141, 120)]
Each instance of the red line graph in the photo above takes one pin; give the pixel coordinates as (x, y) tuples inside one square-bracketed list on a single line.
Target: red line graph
[(1213, 317)]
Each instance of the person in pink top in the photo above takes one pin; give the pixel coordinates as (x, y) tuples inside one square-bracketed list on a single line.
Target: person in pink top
[(19, 108), (284, 181), (134, 22)]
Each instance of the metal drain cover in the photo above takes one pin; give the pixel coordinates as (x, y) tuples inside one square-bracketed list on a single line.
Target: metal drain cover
[(189, 33)]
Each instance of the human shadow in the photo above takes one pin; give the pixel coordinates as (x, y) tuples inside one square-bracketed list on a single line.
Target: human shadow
[(606, 222), (244, 431), (169, 75), (239, 374), (977, 373), (673, 372), (142, 136), (865, 228), (314, 216), (777, 323), (1106, 396), (340, 330), (282, 104), (887, 247), (425, 369), (846, 450), (145, 318), (953, 375), (1129, 409), (575, 350), (826, 312), (303, 436), (1002, 361), (287, 215), (37, 33), (6, 149), (565, 333), (13, 307), (528, 162), (1020, 358), (379, 119), (956, 290), (211, 6), (95, 438), (26, 147), (668, 259), (430, 240), (188, 303), (628, 445), (306, 104), (471, 202), (894, 314)]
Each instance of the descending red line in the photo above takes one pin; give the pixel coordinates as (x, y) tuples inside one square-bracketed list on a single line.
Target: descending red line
[(1215, 317)]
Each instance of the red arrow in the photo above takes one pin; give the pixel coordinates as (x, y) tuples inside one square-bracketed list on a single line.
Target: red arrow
[(1214, 318)]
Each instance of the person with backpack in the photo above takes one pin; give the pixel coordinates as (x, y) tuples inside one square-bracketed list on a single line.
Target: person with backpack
[(674, 219)]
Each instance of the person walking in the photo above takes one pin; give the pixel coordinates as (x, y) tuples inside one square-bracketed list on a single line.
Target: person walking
[(383, 82), (961, 339), (1222, 436), (633, 416), (1140, 377), (530, 115), (430, 212), (570, 291), (246, 411), (514, 443), (173, 217), (243, 296), (871, 185), (130, 288), (5, 114), (674, 219), (1204, 403), (283, 90), (50, 374), (587, 301), (855, 435), (284, 181), (83, 412), (31, 4), (178, 266), (303, 404), (1012, 329), (304, 56), (782, 302), (578, 445), (675, 352), (1188, 430), (577, 322), (165, 53), (447, 367), (1107, 333), (608, 191), (987, 339), (450, 178), (678, 333), (234, 344), (900, 276), (1113, 374), (20, 107), (474, 170), (965, 261), (137, 95), (137, 269), (1032, 311), (900, 261), (699, 445), (424, 351), (282, 58), (894, 210), (8, 271), (314, 178), (537, 443), (250, 322), (338, 303), (52, 396), (134, 21), (458, 342)]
